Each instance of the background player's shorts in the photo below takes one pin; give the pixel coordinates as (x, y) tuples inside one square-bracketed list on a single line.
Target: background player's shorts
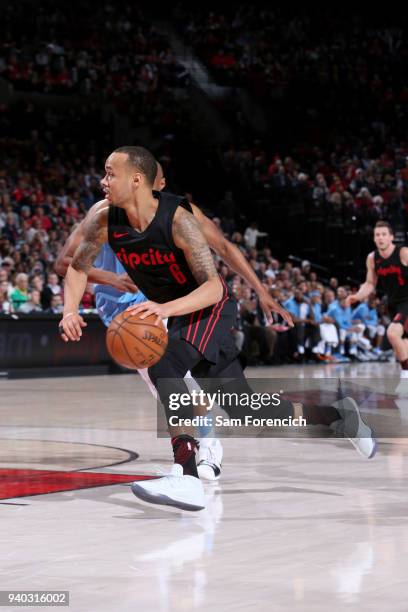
[(399, 314), (110, 303)]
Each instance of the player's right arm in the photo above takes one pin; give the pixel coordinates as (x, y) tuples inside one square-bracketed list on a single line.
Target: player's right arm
[(95, 234), (368, 287), (121, 282)]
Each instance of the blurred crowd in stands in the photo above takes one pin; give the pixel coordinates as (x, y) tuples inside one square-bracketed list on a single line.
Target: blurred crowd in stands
[(291, 47), (109, 53), (350, 186), (333, 71)]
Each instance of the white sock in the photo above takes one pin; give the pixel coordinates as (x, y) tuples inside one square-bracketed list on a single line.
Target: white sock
[(402, 407)]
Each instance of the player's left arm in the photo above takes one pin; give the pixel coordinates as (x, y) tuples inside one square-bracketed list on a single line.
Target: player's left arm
[(95, 234), (233, 257), (404, 256)]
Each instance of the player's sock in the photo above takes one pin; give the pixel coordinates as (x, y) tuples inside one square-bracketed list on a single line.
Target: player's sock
[(320, 415), (184, 449), (209, 459), (404, 368), (206, 429)]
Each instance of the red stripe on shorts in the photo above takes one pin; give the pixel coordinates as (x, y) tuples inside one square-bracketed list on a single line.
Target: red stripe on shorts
[(200, 314), (220, 305), (190, 325), (215, 321)]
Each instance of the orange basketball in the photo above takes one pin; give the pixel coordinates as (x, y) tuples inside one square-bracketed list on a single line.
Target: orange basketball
[(135, 343)]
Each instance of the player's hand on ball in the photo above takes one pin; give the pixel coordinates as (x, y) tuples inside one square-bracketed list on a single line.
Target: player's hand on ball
[(150, 308), (123, 282), (70, 327), (269, 305)]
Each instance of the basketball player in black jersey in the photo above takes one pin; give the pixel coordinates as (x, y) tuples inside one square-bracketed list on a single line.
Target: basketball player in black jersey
[(162, 247), (387, 269), (210, 454)]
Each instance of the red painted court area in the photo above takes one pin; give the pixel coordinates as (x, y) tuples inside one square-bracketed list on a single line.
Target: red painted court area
[(23, 483)]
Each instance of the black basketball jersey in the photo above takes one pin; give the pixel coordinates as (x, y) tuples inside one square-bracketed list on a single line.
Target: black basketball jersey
[(392, 276), (151, 258)]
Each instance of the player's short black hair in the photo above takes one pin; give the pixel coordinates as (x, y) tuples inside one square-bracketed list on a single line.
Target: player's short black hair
[(142, 159), (385, 224)]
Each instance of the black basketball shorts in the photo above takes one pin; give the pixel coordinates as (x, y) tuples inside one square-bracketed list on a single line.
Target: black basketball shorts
[(209, 329), (399, 314)]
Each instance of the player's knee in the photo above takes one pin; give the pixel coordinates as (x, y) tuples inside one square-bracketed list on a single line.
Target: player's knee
[(173, 364), (159, 370), (394, 333)]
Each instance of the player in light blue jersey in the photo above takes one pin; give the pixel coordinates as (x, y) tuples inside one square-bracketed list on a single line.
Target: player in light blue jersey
[(109, 300)]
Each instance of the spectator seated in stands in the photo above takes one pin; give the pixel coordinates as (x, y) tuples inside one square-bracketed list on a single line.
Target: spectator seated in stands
[(366, 314), (52, 288), (56, 305), (349, 331), (20, 295), (329, 338), (6, 307), (299, 309), (255, 332), (33, 304)]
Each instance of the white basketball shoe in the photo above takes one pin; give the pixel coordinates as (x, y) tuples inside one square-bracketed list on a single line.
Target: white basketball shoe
[(352, 426), (209, 459), (175, 489)]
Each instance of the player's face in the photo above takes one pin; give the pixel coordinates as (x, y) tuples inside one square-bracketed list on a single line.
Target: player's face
[(382, 238), (120, 179)]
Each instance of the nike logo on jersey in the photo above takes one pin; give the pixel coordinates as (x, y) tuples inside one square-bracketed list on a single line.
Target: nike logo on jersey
[(119, 235)]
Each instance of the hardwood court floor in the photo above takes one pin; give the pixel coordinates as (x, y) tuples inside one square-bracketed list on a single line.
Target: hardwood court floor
[(293, 524)]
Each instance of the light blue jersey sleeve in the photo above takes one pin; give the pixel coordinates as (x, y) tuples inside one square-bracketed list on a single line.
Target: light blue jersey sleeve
[(317, 312), (109, 301), (292, 307), (360, 312), (372, 317)]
